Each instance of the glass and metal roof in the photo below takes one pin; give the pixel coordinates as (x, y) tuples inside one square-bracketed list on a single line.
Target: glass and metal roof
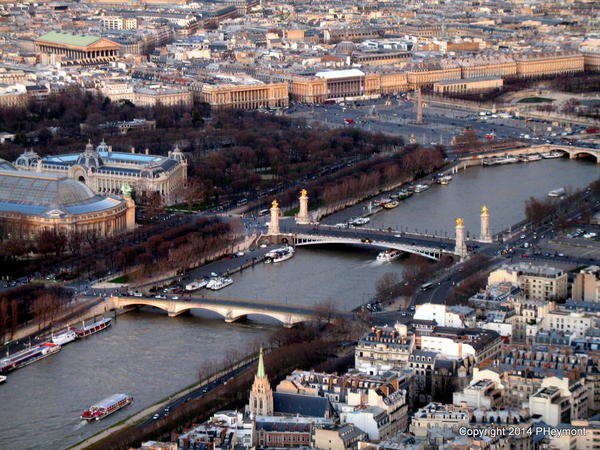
[(5, 165), (48, 195), (30, 188)]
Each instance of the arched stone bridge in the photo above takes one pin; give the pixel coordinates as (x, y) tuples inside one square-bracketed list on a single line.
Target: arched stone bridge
[(230, 309), (431, 247), (314, 239), (571, 150)]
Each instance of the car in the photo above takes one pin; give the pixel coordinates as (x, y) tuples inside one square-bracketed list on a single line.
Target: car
[(167, 409), (240, 254), (263, 245), (214, 274), (366, 241), (523, 236), (156, 417), (160, 296), (175, 298)]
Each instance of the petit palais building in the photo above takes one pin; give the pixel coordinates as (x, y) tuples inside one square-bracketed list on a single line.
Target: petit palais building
[(31, 202), (105, 171)]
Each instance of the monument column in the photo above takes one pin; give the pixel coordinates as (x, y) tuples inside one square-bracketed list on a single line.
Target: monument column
[(486, 235), (303, 217), (274, 223), (460, 248), (130, 214)]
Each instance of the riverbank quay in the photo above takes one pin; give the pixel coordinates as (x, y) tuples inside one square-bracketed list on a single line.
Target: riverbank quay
[(85, 309)]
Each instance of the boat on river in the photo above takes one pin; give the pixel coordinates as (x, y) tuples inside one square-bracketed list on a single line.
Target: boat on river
[(444, 179), (195, 285), (404, 194), (28, 356), (106, 407), (533, 157), (2, 379), (552, 155), (93, 328), (391, 205), (217, 283), (557, 192), (359, 221), (279, 254), (64, 338), (421, 188), (389, 255)]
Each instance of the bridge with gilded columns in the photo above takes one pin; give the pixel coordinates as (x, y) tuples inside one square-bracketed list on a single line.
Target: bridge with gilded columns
[(231, 309), (306, 232)]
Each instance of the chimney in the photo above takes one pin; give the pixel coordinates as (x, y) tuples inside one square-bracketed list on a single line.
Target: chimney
[(147, 152), (132, 149), (170, 152)]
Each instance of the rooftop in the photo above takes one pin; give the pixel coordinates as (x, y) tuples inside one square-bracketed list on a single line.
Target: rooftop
[(69, 39)]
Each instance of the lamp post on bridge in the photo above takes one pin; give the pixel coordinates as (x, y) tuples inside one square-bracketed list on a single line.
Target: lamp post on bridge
[(460, 247)]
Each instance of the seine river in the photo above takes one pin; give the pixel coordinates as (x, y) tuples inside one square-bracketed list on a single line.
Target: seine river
[(150, 355)]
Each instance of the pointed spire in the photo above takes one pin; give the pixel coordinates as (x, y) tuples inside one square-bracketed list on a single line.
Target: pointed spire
[(260, 372)]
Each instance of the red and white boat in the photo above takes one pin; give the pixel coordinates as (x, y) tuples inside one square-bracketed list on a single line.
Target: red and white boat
[(87, 330), (107, 406)]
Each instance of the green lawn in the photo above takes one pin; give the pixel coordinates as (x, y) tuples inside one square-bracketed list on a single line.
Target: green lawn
[(121, 280), (535, 100)]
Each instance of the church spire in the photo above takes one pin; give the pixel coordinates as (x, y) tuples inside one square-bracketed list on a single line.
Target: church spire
[(260, 372)]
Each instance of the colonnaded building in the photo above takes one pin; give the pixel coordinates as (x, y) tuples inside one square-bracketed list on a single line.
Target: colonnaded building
[(32, 202), (105, 171)]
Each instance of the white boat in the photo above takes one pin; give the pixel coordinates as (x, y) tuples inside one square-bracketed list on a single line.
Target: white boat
[(359, 221), (557, 192), (219, 283), (552, 155), (444, 180), (2, 379), (279, 254), (389, 255), (195, 285), (64, 338), (507, 160), (421, 188), (534, 157)]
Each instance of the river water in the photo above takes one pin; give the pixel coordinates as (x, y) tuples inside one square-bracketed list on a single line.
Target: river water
[(150, 355)]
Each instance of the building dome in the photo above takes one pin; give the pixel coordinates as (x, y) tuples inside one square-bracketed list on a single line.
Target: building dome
[(345, 48), (177, 155), (45, 190), (27, 159), (90, 157), (5, 165), (103, 147)]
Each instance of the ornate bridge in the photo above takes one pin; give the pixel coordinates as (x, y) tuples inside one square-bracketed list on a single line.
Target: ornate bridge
[(229, 308), (306, 232), (429, 247)]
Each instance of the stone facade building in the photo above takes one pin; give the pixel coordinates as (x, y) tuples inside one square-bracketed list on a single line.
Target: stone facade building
[(105, 171), (34, 202), (243, 96), (77, 48)]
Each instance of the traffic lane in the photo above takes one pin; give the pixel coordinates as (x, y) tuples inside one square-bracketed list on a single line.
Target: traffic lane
[(196, 393)]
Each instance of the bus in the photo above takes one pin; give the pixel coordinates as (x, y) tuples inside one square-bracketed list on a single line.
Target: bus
[(426, 287), (263, 212)]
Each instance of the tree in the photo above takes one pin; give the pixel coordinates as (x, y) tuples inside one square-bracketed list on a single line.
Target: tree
[(387, 287), (326, 310)]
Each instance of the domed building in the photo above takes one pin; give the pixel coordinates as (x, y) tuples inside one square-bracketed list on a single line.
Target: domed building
[(105, 171), (31, 202)]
